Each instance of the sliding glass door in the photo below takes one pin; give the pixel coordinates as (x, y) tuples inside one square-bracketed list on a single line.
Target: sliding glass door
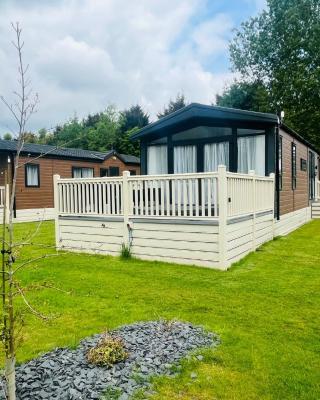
[(157, 160), (184, 159), (251, 154), (216, 154)]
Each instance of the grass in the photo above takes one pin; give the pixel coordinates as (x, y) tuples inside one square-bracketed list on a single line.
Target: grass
[(265, 310)]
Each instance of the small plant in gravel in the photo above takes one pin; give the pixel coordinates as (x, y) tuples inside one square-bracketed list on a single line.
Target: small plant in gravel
[(109, 350)]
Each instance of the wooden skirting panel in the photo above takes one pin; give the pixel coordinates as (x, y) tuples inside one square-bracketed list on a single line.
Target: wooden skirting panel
[(245, 236), (101, 237), (183, 241), (291, 221), (32, 215), (194, 244)]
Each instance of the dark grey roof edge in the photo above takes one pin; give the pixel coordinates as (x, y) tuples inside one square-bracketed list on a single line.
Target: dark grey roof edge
[(66, 152), (295, 134), (194, 106)]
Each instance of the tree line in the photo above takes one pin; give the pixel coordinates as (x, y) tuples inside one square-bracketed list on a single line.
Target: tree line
[(102, 131)]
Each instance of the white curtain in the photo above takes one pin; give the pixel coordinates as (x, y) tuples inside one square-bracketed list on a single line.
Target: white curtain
[(157, 159), (87, 172), (77, 173), (185, 159), (32, 175), (216, 154), (251, 154)]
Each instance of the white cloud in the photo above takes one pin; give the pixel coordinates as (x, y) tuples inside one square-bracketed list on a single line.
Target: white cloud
[(86, 54)]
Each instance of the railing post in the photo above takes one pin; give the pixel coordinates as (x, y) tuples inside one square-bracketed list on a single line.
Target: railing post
[(56, 208), (126, 206), (223, 213), (272, 176), (254, 207)]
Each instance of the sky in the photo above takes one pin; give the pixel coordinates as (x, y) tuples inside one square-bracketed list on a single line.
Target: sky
[(87, 54)]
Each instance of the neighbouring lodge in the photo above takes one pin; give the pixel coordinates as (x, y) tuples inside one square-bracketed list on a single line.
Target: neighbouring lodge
[(198, 138), (38, 164)]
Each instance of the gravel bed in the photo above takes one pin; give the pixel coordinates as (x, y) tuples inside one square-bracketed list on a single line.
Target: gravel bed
[(153, 347)]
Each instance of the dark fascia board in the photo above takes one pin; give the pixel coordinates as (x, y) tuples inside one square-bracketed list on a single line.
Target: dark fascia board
[(201, 111), (296, 135)]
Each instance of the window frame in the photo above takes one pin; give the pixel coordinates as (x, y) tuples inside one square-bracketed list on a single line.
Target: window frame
[(26, 175), (114, 167), (280, 161), (293, 166), (76, 167), (106, 170)]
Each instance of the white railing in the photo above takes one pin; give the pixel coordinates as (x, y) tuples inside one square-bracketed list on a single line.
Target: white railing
[(198, 195), (2, 196), (249, 193), (87, 196), (317, 190), (183, 195)]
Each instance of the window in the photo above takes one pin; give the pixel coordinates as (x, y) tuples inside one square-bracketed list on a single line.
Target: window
[(32, 175), (104, 172), (157, 160), (184, 159), (280, 162), (114, 171), (216, 154), (82, 172), (251, 154), (203, 132), (294, 166), (133, 172)]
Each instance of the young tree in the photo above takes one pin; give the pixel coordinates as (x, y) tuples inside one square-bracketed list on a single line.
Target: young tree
[(174, 105), (23, 108), (281, 48)]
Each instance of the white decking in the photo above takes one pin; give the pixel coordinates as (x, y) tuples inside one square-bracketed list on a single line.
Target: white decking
[(206, 219)]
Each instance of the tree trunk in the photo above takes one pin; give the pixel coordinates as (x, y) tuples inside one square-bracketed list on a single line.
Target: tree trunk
[(11, 378)]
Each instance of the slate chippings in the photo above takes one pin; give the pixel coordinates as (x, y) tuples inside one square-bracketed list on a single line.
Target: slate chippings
[(153, 347)]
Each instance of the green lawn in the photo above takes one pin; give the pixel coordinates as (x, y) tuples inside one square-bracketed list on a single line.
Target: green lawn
[(266, 310)]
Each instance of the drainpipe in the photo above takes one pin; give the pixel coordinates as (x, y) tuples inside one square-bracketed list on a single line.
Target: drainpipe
[(277, 199)]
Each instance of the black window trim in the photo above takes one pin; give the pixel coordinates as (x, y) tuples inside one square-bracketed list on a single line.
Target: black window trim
[(81, 167), (26, 177), (293, 166), (280, 161), (114, 167)]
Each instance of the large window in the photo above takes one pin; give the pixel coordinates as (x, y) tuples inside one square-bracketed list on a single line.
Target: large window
[(32, 175), (251, 154), (114, 171), (157, 160), (202, 132), (216, 154), (293, 166), (280, 162), (184, 159), (82, 172)]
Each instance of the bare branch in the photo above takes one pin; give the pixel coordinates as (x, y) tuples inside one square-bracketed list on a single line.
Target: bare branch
[(31, 309), (29, 262)]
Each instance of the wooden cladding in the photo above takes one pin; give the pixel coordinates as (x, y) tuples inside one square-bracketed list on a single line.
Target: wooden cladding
[(294, 189), (42, 197)]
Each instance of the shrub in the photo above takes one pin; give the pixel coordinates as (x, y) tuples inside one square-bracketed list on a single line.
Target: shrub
[(125, 251), (108, 351)]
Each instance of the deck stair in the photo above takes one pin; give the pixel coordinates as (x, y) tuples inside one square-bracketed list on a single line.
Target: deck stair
[(316, 209)]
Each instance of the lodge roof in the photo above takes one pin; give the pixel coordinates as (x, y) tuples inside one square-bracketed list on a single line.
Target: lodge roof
[(200, 113), (65, 152)]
